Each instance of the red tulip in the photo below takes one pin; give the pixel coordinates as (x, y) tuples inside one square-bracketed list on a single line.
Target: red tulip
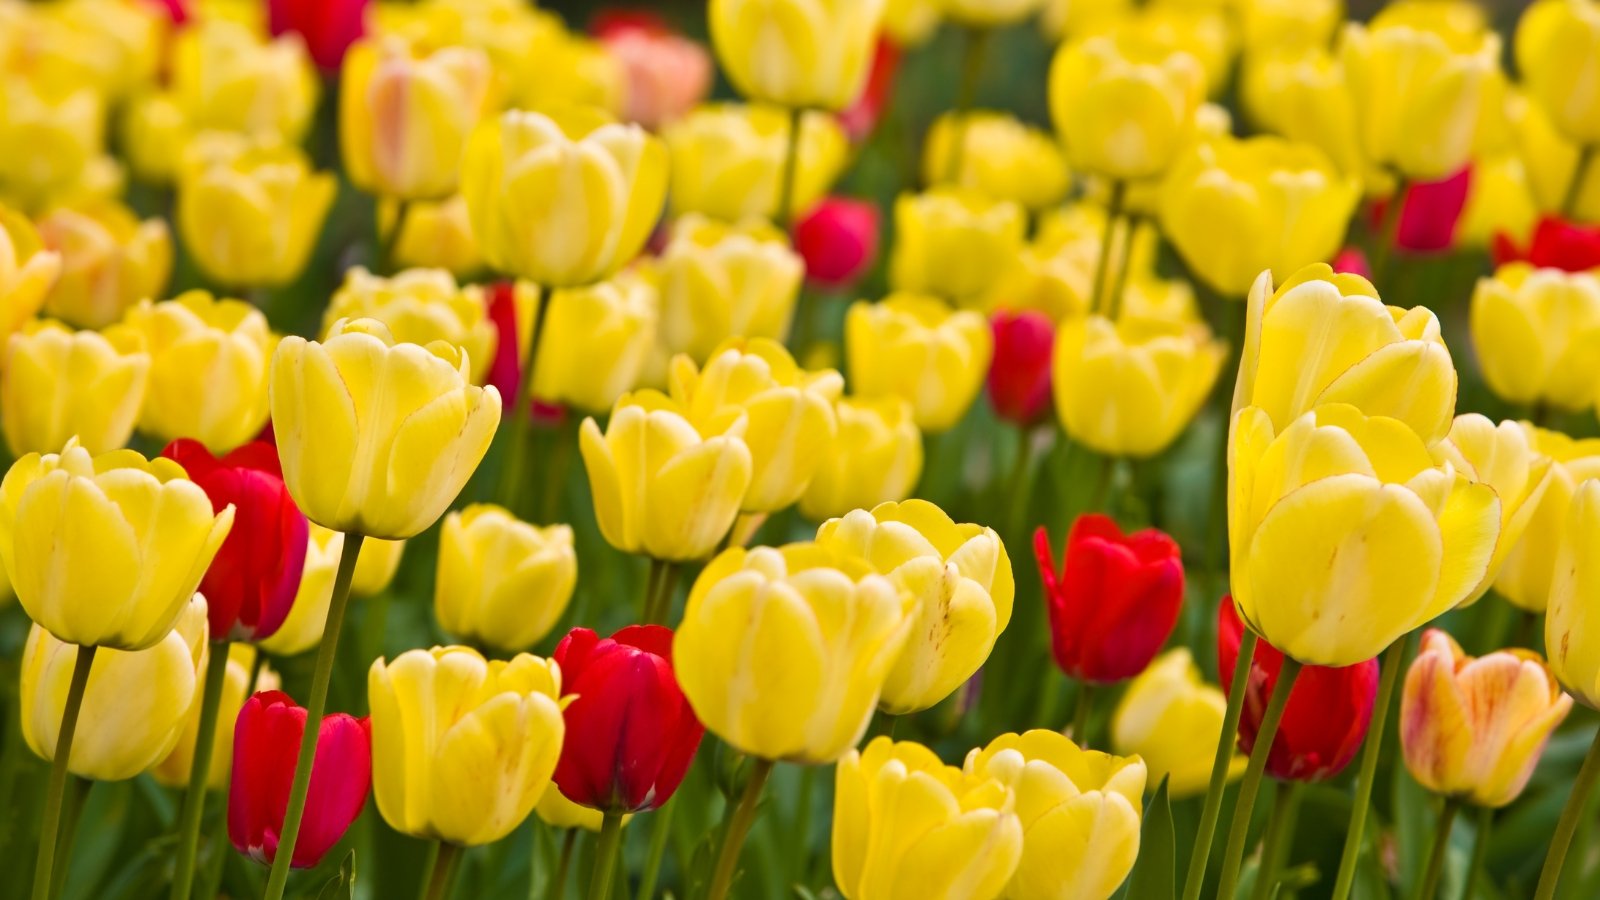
[(862, 117), (177, 10), (253, 578), (1328, 712), (329, 27), (838, 240), (266, 745), (630, 733), (1116, 600), (1019, 374), (1353, 261), (1429, 213), (1556, 244), (505, 372)]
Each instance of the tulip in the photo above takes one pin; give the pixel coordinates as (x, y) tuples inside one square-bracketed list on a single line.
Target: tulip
[(308, 613), (1499, 201), (154, 132), (501, 582), (226, 78), (838, 240), (1115, 600), (906, 824), (808, 635), (48, 143), (1124, 105), (57, 383), (1569, 632), (1555, 244), (596, 342), (951, 243), (719, 281), (388, 475), (1165, 714), (376, 566), (462, 747), (916, 347), (794, 53), (1535, 333), (433, 235), (404, 117), (666, 73), (1525, 576), (269, 729), (1503, 457), (1551, 163), (1019, 374), (876, 459), (420, 306), (912, 23), (1080, 813), (1288, 24), (533, 191), (996, 156), (1556, 46), (27, 270), (988, 13), (109, 262), (328, 26), (1430, 213), (175, 769), (1304, 96), (730, 161), (1054, 274)]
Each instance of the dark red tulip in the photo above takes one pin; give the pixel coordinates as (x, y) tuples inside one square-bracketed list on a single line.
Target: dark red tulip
[(1429, 213), (1019, 373), (329, 27), (505, 372), (861, 118), (1328, 712), (630, 733), (1556, 244), (266, 744), (253, 579), (1115, 601), (838, 239)]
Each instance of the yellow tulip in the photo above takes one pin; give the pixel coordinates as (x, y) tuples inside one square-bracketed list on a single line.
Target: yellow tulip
[(1569, 627), (951, 243), (960, 577), (47, 142), (1124, 105), (876, 459), (797, 53), (729, 161), (420, 306), (154, 133), (1282, 204), (109, 46), (56, 384), (1080, 813), (433, 235), (376, 567), (225, 77), (790, 425), (1537, 335), (1558, 55), (1551, 162), (404, 117), (989, 13), (719, 281), (1205, 32), (109, 261), (1054, 273), (1474, 728), (173, 771), (782, 651), (106, 550), (27, 270), (661, 485), (1288, 24), (562, 203), (1504, 458), (1530, 563), (905, 825), (377, 437), (501, 582), (596, 342), (136, 703), (917, 348), (462, 748), (1129, 388), (999, 157), (911, 23), (1500, 200), (302, 628), (571, 70), (1064, 19), (1302, 95), (1166, 713)]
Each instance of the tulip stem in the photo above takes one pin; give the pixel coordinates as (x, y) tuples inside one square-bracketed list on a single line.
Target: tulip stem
[(443, 871), (315, 706), (1233, 855), (972, 60), (1119, 282), (1580, 173), (1080, 714), (1102, 266), (558, 881), (786, 213), (738, 827), (1568, 823), (660, 830), (520, 420), (605, 856), (194, 798), (659, 588), (1102, 484), (51, 823), (1428, 887), (1388, 233), (1392, 659), (1480, 850), (391, 238), (1219, 768), (1280, 831)]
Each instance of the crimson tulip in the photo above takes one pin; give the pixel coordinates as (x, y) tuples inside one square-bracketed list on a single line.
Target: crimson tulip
[(1328, 712), (266, 745), (1115, 601), (861, 118), (630, 733), (329, 27), (1019, 373), (252, 581), (1429, 213), (838, 240), (505, 372), (1555, 244)]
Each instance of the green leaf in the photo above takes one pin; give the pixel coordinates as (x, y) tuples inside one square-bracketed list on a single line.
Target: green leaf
[(1153, 874), (341, 886)]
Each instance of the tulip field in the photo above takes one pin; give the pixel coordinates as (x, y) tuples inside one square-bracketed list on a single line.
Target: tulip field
[(800, 449)]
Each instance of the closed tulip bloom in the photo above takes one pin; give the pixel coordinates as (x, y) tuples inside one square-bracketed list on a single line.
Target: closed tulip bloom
[(420, 306), (1124, 105), (251, 217), (1569, 627), (28, 270), (596, 342), (501, 582), (109, 261), (796, 53), (1166, 712), (666, 73), (630, 733), (1553, 243), (876, 458), (1115, 600), (960, 579), (999, 157), (1525, 577), (917, 348), (404, 117), (106, 550), (783, 651), (729, 160), (1303, 96), (236, 687), (1080, 813), (951, 243), (1474, 728), (376, 566), (57, 383), (1557, 45), (266, 745), (308, 613), (1505, 458), (1537, 335), (226, 78), (562, 203), (907, 825), (719, 281), (1019, 375), (790, 425), (388, 475), (327, 26), (838, 240), (462, 747), (433, 235)]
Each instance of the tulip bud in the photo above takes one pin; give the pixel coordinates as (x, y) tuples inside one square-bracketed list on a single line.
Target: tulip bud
[(27, 270), (838, 240), (501, 582), (308, 613), (433, 235), (1124, 105), (174, 771), (801, 55), (1165, 714), (719, 281), (666, 73), (916, 347), (57, 383), (952, 243), (730, 161), (997, 157), (1019, 374), (1499, 201), (226, 78), (266, 743), (1556, 41), (462, 747), (1534, 331), (596, 342), (420, 306), (1475, 728), (109, 261)]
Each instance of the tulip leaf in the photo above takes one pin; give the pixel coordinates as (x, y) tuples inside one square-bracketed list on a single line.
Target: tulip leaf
[(342, 886), (1153, 873)]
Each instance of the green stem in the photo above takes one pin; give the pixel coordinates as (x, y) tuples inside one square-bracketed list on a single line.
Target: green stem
[(51, 823), (1080, 714), (1119, 191), (1480, 850), (1580, 172), (1219, 768), (1369, 770), (660, 830), (1245, 805), (1388, 233), (443, 872), (194, 799), (1428, 887), (520, 418), (1017, 482), (786, 213), (211, 878), (1280, 831), (1102, 484), (1120, 282), (71, 817), (391, 239), (738, 827), (1568, 823), (558, 882), (972, 60), (315, 706), (658, 591), (605, 856)]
